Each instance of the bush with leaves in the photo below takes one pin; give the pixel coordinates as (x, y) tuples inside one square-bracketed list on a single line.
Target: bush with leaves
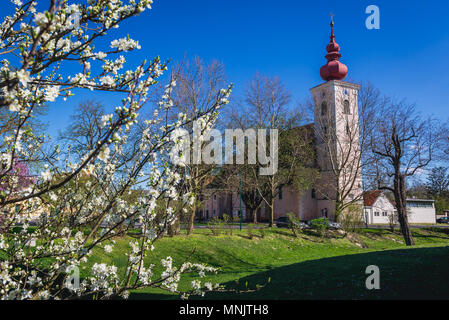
[(250, 228), (320, 225), (351, 218), (295, 224), (228, 223), (215, 225)]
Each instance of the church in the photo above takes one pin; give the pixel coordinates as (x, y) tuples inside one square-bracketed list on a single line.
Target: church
[(336, 138)]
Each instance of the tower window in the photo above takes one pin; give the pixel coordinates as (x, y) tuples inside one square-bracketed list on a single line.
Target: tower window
[(323, 108), (313, 194), (280, 193), (348, 130), (346, 108)]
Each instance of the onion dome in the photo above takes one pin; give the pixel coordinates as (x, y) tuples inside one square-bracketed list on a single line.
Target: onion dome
[(333, 69)]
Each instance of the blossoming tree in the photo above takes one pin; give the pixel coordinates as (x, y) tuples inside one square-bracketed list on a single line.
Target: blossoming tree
[(51, 56)]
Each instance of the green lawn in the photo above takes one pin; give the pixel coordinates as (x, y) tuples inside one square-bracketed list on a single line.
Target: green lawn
[(308, 267)]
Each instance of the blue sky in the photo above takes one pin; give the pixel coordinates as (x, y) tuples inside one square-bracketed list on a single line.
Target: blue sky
[(406, 58)]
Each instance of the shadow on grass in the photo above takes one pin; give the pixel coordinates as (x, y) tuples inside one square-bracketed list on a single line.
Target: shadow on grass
[(419, 273)]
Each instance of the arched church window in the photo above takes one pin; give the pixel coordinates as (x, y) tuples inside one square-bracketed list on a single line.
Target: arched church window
[(346, 108), (323, 108)]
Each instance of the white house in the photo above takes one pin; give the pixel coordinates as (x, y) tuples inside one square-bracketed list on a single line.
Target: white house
[(421, 211), (378, 209)]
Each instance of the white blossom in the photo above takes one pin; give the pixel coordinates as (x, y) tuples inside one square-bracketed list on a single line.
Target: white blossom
[(125, 44), (104, 154), (52, 93)]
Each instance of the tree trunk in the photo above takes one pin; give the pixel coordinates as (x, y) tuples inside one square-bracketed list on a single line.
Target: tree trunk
[(173, 229), (231, 207), (191, 219), (255, 216), (338, 203), (272, 212), (401, 205)]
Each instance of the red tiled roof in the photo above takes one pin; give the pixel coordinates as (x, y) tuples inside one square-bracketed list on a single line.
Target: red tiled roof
[(370, 197)]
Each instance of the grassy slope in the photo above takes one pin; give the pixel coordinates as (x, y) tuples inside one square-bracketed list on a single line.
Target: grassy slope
[(311, 268)]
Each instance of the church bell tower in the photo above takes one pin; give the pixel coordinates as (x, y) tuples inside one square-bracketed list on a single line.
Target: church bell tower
[(336, 125)]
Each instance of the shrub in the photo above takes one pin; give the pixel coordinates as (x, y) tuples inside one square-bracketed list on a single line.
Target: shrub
[(295, 224), (228, 223), (352, 218), (392, 220), (214, 225), (320, 225), (250, 231)]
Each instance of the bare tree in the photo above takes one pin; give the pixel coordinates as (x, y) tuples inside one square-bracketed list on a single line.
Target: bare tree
[(85, 127), (403, 144), (198, 85), (265, 105)]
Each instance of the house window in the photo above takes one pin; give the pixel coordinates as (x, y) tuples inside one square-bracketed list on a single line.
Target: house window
[(214, 212), (207, 214), (376, 214), (346, 108), (385, 214), (420, 204), (215, 197), (323, 108), (348, 131), (313, 194), (280, 193)]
